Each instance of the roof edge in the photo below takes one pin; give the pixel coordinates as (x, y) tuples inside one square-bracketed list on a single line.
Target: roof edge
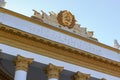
[(3, 10)]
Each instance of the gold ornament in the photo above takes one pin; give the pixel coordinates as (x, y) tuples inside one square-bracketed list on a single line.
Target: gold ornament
[(65, 18)]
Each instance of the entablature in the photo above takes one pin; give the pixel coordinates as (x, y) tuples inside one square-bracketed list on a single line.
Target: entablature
[(20, 39), (58, 35)]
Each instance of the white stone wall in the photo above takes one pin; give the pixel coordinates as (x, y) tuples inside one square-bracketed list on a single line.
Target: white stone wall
[(46, 60), (57, 36)]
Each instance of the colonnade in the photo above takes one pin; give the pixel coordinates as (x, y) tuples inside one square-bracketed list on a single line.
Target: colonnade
[(22, 64)]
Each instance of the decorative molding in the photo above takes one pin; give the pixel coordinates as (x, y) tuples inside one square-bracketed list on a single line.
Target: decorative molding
[(81, 76), (66, 18), (22, 63), (53, 71), (6, 11), (26, 41), (63, 20)]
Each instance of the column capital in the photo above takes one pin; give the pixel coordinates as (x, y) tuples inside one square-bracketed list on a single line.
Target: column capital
[(80, 76), (103, 79), (22, 63), (53, 71)]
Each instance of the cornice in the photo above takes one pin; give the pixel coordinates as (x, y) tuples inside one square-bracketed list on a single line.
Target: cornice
[(42, 46), (3, 10)]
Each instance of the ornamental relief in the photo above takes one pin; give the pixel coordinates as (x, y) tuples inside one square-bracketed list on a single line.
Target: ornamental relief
[(64, 20), (22, 63), (53, 71), (81, 76)]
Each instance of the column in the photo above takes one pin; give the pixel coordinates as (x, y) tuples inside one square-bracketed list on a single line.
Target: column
[(80, 76), (21, 66), (53, 72)]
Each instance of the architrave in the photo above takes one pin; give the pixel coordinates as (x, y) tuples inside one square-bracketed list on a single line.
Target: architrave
[(38, 45)]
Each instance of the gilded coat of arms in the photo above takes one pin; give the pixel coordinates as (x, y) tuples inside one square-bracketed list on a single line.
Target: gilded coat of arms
[(65, 18)]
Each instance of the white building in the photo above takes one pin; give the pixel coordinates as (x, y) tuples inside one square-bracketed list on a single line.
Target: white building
[(52, 47)]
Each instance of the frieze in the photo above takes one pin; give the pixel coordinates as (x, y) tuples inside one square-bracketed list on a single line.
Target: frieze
[(94, 59), (56, 45)]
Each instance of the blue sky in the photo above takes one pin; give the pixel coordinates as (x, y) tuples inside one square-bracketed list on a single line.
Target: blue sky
[(100, 16)]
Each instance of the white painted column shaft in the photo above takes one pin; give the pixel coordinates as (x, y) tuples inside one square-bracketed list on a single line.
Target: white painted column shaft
[(52, 79), (20, 75)]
